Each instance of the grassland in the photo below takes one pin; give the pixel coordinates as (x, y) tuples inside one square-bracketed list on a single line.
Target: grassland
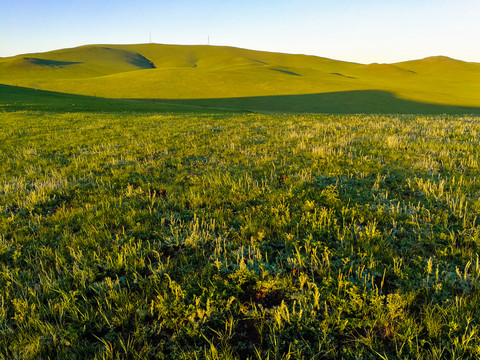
[(138, 231), (211, 76)]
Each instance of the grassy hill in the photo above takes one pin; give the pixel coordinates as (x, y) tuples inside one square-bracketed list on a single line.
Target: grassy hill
[(246, 79)]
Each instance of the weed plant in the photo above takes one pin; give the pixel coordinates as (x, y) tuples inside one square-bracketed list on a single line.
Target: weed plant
[(142, 235)]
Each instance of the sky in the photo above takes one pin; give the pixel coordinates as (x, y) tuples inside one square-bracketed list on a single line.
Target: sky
[(364, 31)]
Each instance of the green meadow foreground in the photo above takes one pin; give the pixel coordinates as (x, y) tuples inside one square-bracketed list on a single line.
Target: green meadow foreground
[(136, 231)]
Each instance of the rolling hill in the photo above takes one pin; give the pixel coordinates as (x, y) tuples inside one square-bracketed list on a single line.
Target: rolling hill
[(246, 79)]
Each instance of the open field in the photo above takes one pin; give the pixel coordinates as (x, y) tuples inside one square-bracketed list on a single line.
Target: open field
[(134, 230), (215, 76)]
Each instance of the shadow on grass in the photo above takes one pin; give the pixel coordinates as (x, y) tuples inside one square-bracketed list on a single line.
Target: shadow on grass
[(15, 98), (50, 63), (342, 102)]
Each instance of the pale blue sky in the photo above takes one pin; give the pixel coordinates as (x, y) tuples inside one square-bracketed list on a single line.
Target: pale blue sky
[(352, 30)]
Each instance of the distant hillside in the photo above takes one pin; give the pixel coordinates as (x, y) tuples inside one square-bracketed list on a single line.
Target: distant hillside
[(216, 73)]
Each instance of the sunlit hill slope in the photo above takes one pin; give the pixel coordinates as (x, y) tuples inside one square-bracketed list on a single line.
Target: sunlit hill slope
[(239, 78)]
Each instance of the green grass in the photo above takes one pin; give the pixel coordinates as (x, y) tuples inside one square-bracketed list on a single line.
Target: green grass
[(342, 102), (14, 98), (153, 232), (190, 73)]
